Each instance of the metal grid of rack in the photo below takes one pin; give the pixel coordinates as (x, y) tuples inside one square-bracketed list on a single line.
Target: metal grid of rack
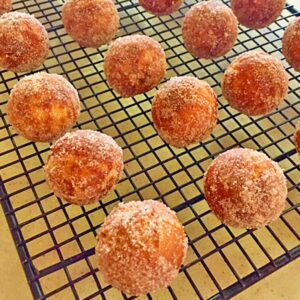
[(56, 240)]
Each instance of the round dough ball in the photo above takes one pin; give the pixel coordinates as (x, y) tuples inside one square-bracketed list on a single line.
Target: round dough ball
[(291, 44), (209, 29), (84, 166), (23, 42), (184, 111), (5, 6), (141, 246), (134, 64), (245, 189), (255, 83), (91, 23), (297, 137), (43, 107), (257, 14), (161, 7)]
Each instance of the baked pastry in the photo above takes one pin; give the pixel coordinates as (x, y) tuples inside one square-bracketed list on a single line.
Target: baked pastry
[(257, 14), (134, 64), (161, 7), (209, 29), (184, 111), (84, 166), (42, 107), (23, 42), (245, 189), (92, 23), (141, 246), (255, 83), (291, 44)]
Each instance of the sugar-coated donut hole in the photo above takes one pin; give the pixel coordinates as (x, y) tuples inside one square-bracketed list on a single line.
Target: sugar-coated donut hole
[(184, 111), (42, 107), (84, 166), (257, 14), (134, 64), (291, 44), (141, 246), (255, 83), (209, 29), (245, 189), (161, 7), (23, 42), (92, 23)]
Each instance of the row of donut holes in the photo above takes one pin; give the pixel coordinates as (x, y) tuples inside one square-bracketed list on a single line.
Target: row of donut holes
[(243, 187)]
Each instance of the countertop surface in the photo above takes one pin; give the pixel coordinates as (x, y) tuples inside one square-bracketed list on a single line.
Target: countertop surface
[(284, 284)]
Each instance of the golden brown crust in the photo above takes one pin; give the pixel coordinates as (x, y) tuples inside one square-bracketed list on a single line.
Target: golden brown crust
[(245, 189), (255, 83), (84, 166), (23, 42), (184, 111), (5, 6), (291, 44), (91, 23), (257, 14), (141, 246), (297, 137), (161, 7), (134, 64), (43, 107), (209, 29)]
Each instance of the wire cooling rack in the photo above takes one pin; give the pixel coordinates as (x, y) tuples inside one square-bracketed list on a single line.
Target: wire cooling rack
[(56, 240)]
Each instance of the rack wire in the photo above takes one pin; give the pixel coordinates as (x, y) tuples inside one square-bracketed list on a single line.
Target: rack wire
[(56, 240)]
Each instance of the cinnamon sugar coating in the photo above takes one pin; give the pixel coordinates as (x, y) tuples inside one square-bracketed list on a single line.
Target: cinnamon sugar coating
[(291, 44), (42, 107), (134, 64), (245, 189), (184, 111), (91, 23), (23, 42), (161, 7), (141, 246), (255, 83), (209, 29), (257, 14), (84, 166), (5, 6)]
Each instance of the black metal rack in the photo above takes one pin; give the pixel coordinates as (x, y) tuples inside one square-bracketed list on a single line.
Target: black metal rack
[(55, 240)]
